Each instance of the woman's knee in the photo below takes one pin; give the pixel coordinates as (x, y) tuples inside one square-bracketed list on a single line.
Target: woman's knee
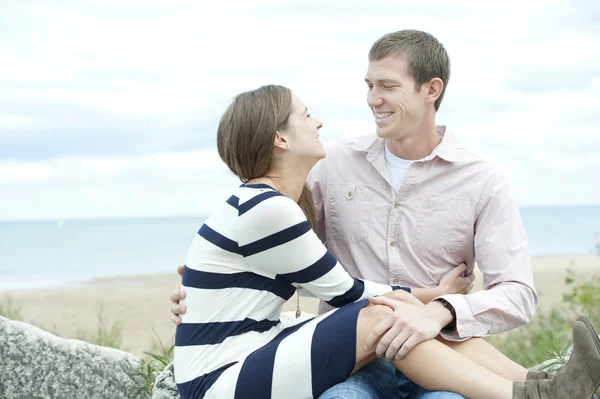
[(372, 315)]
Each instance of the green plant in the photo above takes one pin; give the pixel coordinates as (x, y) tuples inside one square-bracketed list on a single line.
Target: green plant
[(534, 343), (151, 366), (105, 336), (584, 296), (548, 336), (147, 372), (10, 309)]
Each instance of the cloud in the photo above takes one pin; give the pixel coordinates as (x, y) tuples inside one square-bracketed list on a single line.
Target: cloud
[(24, 172), (167, 183), (135, 90)]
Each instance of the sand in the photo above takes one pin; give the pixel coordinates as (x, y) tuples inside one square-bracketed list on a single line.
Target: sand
[(140, 304)]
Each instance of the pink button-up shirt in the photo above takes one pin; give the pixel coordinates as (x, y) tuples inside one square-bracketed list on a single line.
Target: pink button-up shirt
[(452, 207)]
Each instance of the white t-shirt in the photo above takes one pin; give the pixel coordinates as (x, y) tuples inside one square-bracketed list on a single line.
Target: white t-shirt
[(397, 167)]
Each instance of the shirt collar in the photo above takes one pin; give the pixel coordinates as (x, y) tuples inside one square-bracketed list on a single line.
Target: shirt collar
[(448, 148)]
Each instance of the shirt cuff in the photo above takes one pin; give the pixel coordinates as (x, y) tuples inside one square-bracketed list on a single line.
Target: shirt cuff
[(465, 321), (397, 287)]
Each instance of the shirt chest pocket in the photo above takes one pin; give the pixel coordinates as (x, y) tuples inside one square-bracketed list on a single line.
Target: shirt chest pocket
[(349, 212), (443, 224)]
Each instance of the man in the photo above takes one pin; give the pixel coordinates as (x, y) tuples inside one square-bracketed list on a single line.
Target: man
[(408, 205)]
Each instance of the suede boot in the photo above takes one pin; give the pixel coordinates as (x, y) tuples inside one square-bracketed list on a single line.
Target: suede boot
[(533, 375), (577, 380), (588, 324), (593, 333)]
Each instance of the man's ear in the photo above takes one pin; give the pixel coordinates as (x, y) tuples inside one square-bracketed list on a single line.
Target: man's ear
[(434, 89)]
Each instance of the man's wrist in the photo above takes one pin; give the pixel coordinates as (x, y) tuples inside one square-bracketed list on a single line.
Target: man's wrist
[(442, 314), (451, 325)]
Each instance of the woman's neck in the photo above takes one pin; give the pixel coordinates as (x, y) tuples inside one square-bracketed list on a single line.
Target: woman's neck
[(289, 183)]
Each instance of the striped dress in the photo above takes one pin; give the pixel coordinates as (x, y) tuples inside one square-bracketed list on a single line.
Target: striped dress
[(245, 262)]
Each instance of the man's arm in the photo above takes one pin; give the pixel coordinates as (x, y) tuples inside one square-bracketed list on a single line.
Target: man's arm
[(509, 299)]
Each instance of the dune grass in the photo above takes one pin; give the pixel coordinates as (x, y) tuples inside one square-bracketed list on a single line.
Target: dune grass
[(545, 340)]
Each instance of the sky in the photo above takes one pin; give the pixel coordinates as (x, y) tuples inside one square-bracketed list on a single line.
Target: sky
[(109, 109)]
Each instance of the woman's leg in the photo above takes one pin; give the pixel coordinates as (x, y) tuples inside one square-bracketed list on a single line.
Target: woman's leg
[(433, 365), (485, 354), (436, 367)]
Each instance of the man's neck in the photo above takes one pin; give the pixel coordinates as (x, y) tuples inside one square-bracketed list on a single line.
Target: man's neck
[(416, 146)]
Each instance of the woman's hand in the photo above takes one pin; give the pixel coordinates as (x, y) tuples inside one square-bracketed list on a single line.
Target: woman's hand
[(451, 283), (454, 283)]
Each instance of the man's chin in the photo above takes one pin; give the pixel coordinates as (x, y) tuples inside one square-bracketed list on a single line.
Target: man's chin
[(382, 132)]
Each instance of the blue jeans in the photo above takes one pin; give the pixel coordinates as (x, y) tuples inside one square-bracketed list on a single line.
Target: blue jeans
[(381, 380)]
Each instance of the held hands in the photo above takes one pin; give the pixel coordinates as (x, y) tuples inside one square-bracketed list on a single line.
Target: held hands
[(177, 296), (411, 323)]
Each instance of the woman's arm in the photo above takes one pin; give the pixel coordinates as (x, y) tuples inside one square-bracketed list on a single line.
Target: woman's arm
[(451, 283), (276, 241)]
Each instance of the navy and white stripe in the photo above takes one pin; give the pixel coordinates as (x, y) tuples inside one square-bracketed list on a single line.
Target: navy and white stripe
[(243, 265)]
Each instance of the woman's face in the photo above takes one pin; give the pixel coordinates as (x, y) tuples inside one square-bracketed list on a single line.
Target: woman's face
[(302, 133)]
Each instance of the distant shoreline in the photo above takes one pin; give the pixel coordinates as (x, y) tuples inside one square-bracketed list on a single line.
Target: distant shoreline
[(554, 262), (135, 217), (140, 304)]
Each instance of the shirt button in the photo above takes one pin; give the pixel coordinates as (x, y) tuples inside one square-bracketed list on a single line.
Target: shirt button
[(393, 243), (396, 205), (395, 281)]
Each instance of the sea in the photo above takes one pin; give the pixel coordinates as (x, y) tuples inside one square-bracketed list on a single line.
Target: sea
[(58, 253)]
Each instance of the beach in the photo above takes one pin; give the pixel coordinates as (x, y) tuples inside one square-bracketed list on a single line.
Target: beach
[(140, 304)]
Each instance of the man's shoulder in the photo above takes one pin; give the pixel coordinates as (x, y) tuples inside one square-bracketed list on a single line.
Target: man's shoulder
[(472, 159), (489, 174)]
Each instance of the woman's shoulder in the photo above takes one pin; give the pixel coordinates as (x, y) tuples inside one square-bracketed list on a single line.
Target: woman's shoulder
[(264, 203)]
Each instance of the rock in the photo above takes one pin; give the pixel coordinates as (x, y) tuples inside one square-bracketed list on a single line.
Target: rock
[(37, 364), (165, 387)]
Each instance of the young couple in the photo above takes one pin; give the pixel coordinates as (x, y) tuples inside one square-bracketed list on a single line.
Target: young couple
[(400, 211)]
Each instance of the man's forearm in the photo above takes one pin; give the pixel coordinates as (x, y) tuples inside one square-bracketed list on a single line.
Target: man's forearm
[(501, 308)]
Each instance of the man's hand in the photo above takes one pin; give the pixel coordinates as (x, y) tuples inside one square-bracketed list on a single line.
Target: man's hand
[(411, 324), (454, 283), (177, 296)]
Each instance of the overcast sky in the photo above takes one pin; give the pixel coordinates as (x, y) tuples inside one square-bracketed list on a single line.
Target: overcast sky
[(110, 108)]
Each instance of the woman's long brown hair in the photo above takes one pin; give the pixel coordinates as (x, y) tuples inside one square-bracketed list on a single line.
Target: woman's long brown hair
[(246, 135)]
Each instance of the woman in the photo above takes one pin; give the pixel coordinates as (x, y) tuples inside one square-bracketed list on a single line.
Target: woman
[(249, 257)]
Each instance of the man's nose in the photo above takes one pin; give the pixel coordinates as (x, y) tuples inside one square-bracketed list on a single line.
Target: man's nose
[(373, 98)]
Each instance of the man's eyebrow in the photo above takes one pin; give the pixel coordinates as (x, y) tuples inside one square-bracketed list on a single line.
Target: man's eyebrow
[(389, 81)]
